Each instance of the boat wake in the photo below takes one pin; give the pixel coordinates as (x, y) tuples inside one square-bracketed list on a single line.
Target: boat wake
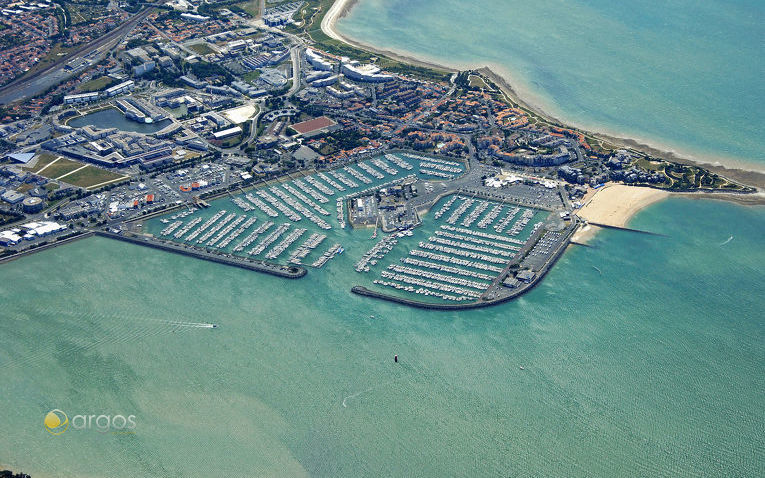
[(197, 325), (345, 400), (179, 324), (727, 241)]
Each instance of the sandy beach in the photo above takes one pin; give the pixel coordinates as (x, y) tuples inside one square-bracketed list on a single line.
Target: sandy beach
[(338, 9), (751, 177), (614, 205)]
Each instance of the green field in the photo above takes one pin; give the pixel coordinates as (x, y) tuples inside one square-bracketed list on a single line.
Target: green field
[(92, 176), (54, 167), (251, 76), (251, 7), (201, 48), (97, 84), (85, 12)]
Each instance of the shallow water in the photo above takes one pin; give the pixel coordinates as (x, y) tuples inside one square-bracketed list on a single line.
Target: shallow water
[(683, 76), (652, 366)]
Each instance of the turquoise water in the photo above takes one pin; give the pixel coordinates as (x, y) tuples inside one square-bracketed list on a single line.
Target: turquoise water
[(681, 75), (112, 118), (651, 367), (355, 242)]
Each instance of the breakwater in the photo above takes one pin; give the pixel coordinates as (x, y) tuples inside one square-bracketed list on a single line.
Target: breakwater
[(622, 228), (49, 245), (287, 272)]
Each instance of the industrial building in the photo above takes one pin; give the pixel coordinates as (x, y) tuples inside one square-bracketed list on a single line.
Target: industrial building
[(227, 133)]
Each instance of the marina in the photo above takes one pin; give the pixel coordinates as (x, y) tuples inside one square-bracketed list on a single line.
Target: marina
[(473, 215), (438, 174), (455, 261), (306, 200), (522, 222), (206, 225), (261, 205), (344, 179), (448, 269), (169, 229), (215, 228), (353, 172), (476, 240), (377, 252), (371, 171), (384, 166), (225, 230), (488, 219), (460, 293), (189, 226), (269, 239), (485, 235), (253, 236), (300, 208), (243, 205), (184, 213), (291, 215), (247, 224), (457, 213), (306, 247), (282, 246), (445, 208), (502, 224), (398, 161), (334, 250), (340, 213), (331, 182), (311, 192), (320, 186)]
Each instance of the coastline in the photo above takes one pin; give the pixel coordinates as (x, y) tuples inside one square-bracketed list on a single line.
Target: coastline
[(614, 205), (749, 177)]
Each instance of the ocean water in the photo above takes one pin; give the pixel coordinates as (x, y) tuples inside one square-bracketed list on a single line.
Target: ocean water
[(642, 356), (684, 76)]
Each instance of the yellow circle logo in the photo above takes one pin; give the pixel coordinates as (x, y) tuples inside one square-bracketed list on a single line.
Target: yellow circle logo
[(56, 422)]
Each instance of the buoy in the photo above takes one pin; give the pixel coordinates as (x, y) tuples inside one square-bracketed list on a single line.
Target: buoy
[(395, 358)]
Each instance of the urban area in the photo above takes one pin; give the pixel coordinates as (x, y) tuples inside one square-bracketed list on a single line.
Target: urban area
[(237, 132)]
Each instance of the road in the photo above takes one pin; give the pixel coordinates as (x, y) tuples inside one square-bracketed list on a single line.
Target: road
[(42, 80), (295, 54)]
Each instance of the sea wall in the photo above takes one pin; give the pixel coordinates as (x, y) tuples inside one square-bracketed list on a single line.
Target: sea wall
[(286, 272)]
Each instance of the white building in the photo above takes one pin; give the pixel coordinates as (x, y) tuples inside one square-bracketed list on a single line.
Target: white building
[(81, 98), (367, 73), (41, 228), (194, 18), (123, 87), (226, 133), (316, 61)]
